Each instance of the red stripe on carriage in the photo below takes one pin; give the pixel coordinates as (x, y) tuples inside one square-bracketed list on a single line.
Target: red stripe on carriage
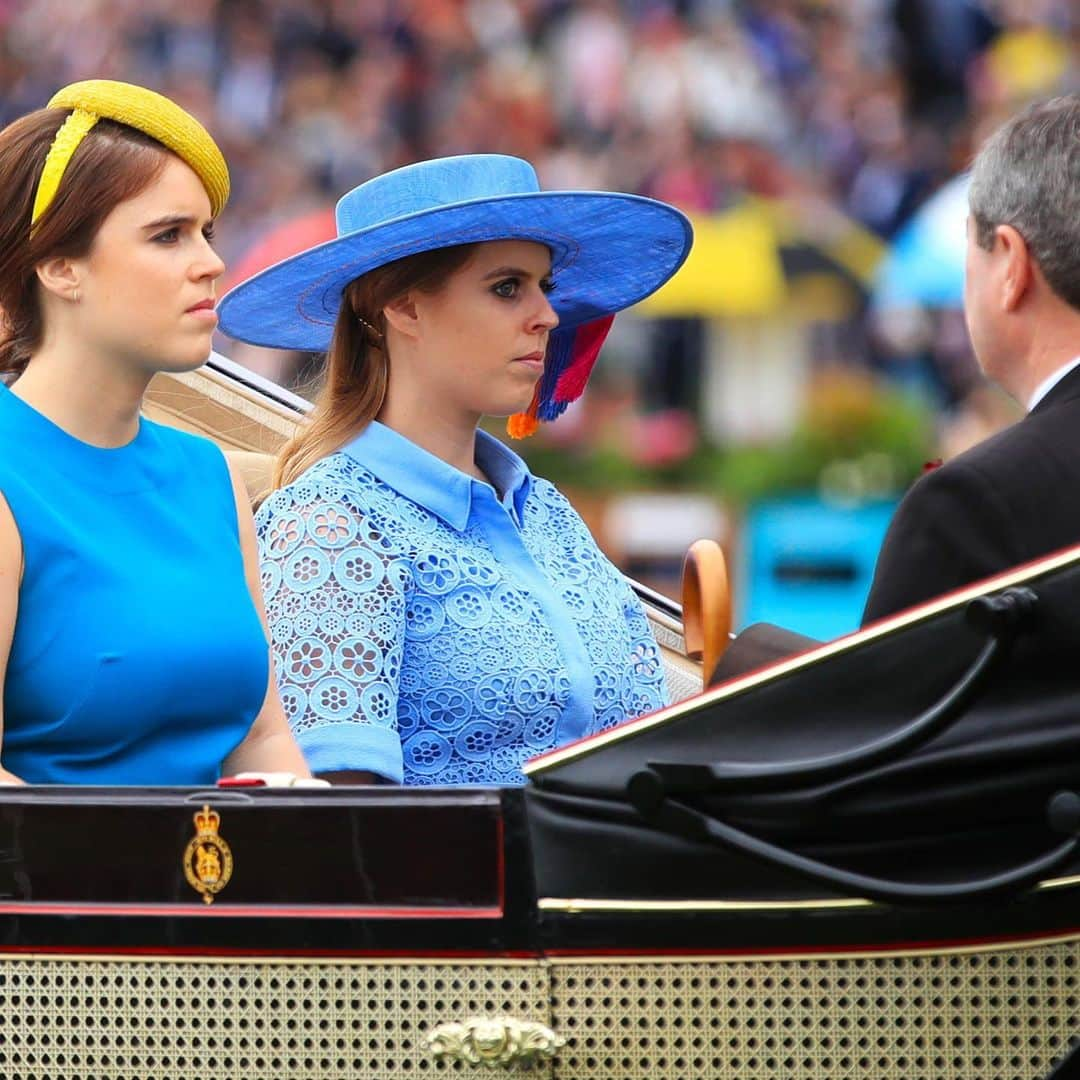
[(262, 911)]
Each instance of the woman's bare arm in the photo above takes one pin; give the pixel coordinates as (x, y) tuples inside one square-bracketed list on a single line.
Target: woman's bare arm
[(269, 746), (10, 575), (353, 776)]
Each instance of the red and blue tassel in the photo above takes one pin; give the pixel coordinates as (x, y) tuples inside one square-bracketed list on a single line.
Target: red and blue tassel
[(570, 357)]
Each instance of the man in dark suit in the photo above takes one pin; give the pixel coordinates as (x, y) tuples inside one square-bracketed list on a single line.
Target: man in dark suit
[(1015, 496)]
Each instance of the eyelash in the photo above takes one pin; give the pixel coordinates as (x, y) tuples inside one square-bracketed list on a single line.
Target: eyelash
[(547, 287), (170, 235)]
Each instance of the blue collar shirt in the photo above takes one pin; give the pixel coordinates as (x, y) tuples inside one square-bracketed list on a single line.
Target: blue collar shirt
[(436, 629)]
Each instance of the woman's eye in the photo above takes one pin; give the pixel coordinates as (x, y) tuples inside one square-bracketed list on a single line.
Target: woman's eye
[(169, 236), (208, 233), (547, 286), (506, 289)]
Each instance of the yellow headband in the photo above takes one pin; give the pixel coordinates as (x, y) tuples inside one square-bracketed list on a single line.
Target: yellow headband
[(150, 113)]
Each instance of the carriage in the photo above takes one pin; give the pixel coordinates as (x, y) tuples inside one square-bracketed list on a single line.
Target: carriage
[(859, 861)]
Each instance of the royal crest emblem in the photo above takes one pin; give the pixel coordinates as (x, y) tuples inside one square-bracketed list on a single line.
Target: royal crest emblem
[(208, 862)]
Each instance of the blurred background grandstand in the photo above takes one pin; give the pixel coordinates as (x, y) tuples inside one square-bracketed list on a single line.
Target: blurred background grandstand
[(793, 378)]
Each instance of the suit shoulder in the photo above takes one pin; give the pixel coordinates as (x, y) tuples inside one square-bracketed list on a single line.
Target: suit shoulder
[(1006, 463), (973, 468), (1003, 443)]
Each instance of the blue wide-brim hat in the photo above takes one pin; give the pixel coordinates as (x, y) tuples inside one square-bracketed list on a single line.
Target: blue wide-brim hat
[(609, 250)]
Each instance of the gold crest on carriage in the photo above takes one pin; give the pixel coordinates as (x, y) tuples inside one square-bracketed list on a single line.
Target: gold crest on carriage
[(208, 861)]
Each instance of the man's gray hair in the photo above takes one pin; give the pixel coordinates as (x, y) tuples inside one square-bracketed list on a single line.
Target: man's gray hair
[(1027, 175)]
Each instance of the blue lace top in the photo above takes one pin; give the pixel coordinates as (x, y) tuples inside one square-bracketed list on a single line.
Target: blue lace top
[(138, 655), (433, 631)]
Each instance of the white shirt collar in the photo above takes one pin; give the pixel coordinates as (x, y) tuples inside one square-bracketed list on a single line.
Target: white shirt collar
[(1051, 381)]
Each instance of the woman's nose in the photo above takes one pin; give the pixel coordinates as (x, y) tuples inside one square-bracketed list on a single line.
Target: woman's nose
[(209, 263), (545, 317)]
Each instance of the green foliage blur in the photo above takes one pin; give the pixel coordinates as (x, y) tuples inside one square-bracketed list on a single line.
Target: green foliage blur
[(857, 438)]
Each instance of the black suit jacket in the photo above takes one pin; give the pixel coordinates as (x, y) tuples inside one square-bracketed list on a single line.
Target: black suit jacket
[(1010, 499)]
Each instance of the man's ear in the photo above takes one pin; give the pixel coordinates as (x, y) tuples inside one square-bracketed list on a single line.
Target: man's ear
[(1017, 268), (401, 314), (60, 276)]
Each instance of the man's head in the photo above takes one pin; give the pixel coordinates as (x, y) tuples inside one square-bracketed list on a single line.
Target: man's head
[(1023, 263)]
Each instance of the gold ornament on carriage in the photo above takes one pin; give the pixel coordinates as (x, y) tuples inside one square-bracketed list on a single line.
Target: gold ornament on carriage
[(496, 1042), (208, 862)]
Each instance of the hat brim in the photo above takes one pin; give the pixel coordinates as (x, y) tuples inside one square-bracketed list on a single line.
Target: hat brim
[(609, 250)]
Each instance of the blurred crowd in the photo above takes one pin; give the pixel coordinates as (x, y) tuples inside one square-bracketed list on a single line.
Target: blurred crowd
[(873, 102), (870, 104)]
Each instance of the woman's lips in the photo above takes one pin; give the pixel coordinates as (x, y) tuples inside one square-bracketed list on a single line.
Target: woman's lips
[(204, 309)]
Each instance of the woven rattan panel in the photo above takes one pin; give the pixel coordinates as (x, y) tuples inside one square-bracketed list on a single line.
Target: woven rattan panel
[(978, 1016), (683, 676), (148, 1019)]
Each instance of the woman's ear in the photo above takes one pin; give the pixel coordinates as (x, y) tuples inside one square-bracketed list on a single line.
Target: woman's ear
[(401, 314), (60, 276)]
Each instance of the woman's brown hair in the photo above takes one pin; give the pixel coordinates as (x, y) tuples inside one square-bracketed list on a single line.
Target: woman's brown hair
[(113, 163), (358, 363)]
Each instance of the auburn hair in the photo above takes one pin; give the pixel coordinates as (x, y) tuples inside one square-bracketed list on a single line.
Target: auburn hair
[(113, 163), (358, 362)]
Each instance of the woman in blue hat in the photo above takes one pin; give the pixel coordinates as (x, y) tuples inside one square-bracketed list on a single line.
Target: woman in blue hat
[(439, 615)]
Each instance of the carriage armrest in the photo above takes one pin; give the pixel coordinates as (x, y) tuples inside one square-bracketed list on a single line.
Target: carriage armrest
[(706, 603)]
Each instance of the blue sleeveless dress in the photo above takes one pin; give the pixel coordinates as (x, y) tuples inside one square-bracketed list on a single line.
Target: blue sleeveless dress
[(138, 655)]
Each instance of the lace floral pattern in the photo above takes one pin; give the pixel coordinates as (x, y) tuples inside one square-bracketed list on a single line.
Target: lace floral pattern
[(384, 616)]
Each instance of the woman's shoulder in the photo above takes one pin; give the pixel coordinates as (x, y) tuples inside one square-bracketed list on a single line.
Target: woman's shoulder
[(195, 449), (545, 495), (184, 460), (329, 479), (336, 481)]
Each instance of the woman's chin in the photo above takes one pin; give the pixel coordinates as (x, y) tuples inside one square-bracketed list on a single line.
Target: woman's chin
[(179, 362)]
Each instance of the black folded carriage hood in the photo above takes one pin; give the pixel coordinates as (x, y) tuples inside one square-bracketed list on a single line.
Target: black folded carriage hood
[(927, 758)]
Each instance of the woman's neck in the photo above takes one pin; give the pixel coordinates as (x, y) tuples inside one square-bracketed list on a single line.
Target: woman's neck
[(451, 438), (94, 400)]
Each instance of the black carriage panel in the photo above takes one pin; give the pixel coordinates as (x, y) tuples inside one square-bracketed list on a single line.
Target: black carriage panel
[(294, 869), (912, 762)]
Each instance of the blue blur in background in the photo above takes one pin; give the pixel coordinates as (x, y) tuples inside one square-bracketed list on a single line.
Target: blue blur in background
[(807, 565)]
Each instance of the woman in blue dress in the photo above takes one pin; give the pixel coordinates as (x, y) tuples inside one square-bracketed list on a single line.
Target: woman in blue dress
[(132, 648), (438, 613)]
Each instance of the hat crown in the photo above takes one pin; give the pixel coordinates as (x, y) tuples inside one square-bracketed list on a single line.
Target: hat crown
[(427, 185)]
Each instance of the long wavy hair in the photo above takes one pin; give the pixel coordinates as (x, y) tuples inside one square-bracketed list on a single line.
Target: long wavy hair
[(358, 361), (113, 163)]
